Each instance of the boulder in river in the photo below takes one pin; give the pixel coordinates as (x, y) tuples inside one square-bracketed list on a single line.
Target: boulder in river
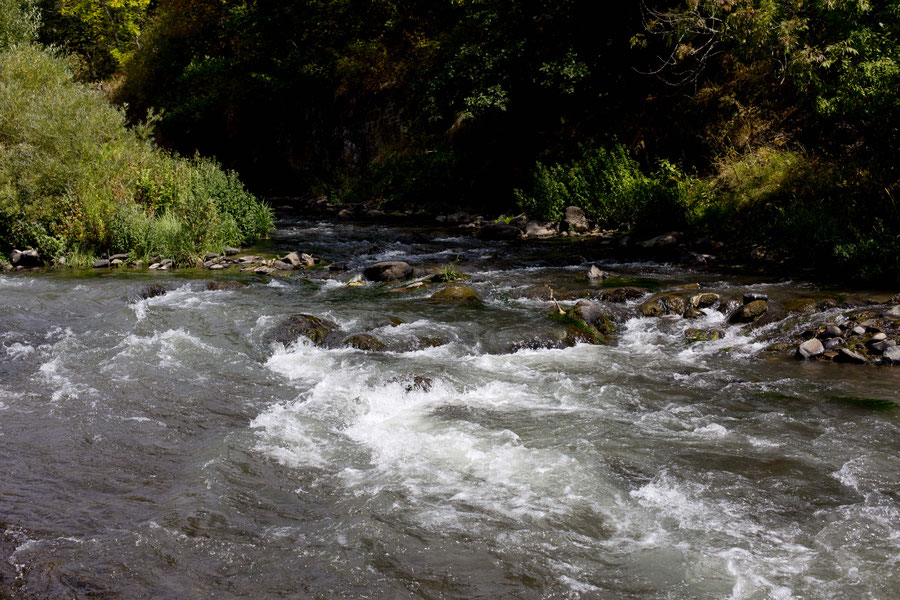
[(662, 305), (800, 305), (300, 325), (585, 322), (365, 341), (223, 285), (810, 349), (391, 270), (456, 293), (749, 312), (704, 300), (500, 232), (621, 294), (595, 274)]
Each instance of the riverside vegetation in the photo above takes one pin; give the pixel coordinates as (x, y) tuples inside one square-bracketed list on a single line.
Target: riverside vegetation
[(76, 182), (770, 123)]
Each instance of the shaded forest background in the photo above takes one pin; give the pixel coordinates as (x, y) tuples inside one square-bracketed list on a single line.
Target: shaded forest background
[(776, 120)]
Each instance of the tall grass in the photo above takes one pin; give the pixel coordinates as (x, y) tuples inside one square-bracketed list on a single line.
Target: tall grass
[(75, 180)]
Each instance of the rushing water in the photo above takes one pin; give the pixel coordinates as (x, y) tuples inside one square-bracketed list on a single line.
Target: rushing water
[(158, 448)]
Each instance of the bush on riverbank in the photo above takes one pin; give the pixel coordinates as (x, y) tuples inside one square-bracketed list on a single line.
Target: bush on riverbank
[(74, 180)]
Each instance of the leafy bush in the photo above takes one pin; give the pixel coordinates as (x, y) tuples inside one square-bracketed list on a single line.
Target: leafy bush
[(610, 187), (75, 179)]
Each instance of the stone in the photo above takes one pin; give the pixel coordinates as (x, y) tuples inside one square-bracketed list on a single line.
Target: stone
[(365, 341), (500, 232), (849, 356), (882, 346), (585, 322), (25, 258), (893, 312), (393, 270), (832, 343), (218, 267), (154, 266), (594, 273), (704, 300), (456, 293), (101, 263), (858, 330), (316, 329), (209, 263), (293, 259), (891, 356), (810, 349), (703, 335), (210, 256), (661, 241), (221, 286), (418, 384), (150, 291), (831, 331), (122, 256), (539, 229), (345, 214), (228, 251), (753, 297), (280, 265), (115, 262), (264, 270), (308, 261), (749, 312), (800, 305), (878, 337), (662, 305), (621, 294), (574, 220)]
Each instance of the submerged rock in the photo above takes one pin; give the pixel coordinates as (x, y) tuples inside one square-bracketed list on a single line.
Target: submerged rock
[(456, 293), (301, 325), (216, 286), (392, 270), (800, 305), (621, 294), (500, 232)]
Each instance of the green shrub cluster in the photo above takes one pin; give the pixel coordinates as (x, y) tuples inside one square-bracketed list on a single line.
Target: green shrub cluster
[(608, 184), (75, 180)]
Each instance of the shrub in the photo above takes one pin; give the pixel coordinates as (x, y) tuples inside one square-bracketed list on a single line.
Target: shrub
[(75, 179), (610, 187)]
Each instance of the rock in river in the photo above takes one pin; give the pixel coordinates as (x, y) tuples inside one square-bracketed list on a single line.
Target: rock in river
[(749, 312), (810, 349), (456, 293), (392, 270), (295, 326), (365, 341)]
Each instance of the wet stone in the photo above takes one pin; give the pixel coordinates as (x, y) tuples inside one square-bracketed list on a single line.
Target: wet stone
[(810, 349), (849, 356)]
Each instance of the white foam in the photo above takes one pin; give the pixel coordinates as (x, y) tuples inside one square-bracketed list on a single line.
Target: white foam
[(19, 350)]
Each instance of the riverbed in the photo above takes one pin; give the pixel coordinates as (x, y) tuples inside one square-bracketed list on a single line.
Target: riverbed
[(160, 447)]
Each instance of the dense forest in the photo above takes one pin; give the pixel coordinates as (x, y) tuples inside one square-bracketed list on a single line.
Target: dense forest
[(774, 122)]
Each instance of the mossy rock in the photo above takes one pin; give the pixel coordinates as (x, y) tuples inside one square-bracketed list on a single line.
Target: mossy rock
[(800, 305), (585, 322), (365, 341), (663, 305), (621, 294), (749, 312), (704, 300), (779, 347), (456, 293), (296, 326), (702, 335)]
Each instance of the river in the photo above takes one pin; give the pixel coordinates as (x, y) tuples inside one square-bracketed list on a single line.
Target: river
[(160, 448)]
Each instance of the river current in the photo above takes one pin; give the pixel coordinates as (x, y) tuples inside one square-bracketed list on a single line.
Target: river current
[(160, 448)]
